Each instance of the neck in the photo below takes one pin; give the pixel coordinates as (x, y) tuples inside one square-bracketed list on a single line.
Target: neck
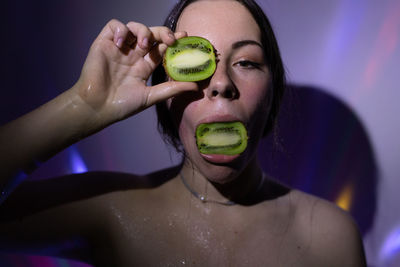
[(228, 186)]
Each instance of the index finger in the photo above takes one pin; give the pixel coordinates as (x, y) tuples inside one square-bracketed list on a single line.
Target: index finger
[(154, 56), (162, 34)]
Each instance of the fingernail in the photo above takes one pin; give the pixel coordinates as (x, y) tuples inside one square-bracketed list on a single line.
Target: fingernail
[(145, 42), (120, 42)]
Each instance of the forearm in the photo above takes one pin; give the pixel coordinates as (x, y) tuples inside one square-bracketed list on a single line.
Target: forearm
[(40, 134), (112, 87)]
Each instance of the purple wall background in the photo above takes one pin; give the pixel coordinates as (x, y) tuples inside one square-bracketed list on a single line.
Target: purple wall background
[(347, 49)]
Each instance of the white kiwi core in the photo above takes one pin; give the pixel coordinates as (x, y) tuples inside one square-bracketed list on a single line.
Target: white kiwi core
[(221, 139), (190, 58)]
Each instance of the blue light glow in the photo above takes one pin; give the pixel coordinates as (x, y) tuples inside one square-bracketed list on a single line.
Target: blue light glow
[(391, 246), (77, 165)]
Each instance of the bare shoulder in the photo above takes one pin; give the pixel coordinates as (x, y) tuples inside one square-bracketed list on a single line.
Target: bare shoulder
[(32, 197), (334, 236), (53, 211), (91, 188)]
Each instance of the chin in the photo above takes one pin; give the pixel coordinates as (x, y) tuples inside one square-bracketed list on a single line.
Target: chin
[(220, 169)]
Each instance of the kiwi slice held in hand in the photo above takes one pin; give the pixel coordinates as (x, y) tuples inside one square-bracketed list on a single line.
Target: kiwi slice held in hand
[(228, 138), (190, 59)]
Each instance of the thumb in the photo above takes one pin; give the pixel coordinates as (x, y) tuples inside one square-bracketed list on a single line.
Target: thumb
[(163, 91)]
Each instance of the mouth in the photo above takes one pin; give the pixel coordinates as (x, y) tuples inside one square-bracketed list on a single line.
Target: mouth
[(222, 139), (219, 118), (219, 159)]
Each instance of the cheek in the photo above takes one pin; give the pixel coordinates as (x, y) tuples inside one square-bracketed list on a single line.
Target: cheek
[(255, 97), (184, 132), (182, 104), (183, 109), (186, 127), (256, 103), (188, 117)]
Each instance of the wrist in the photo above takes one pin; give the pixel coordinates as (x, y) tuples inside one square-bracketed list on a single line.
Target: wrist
[(86, 118)]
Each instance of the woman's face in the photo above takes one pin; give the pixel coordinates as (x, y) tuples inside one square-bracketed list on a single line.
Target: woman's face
[(238, 90)]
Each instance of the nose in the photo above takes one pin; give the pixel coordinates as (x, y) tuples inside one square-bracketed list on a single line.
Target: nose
[(221, 85)]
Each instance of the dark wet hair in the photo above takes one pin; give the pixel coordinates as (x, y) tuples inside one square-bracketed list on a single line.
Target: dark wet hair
[(272, 56)]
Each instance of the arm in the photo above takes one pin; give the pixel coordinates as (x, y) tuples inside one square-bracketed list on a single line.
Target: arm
[(38, 135), (112, 86)]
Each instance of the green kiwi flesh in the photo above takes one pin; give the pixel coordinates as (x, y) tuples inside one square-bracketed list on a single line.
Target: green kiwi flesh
[(190, 59), (227, 138)]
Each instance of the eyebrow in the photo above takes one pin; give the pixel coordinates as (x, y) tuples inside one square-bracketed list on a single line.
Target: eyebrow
[(242, 43)]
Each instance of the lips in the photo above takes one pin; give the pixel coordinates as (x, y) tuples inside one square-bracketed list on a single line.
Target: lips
[(219, 118), (219, 158)]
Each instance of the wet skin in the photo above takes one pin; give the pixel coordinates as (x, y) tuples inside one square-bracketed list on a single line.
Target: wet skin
[(127, 220)]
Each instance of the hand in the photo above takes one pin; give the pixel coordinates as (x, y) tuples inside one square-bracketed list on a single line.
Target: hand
[(120, 61)]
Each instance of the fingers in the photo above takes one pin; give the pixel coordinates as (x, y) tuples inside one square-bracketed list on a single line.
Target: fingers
[(148, 38), (163, 91), (122, 34), (139, 37), (118, 33), (155, 55), (163, 35), (180, 34), (147, 42), (142, 33)]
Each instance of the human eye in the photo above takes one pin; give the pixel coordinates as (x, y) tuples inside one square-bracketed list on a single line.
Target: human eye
[(248, 64)]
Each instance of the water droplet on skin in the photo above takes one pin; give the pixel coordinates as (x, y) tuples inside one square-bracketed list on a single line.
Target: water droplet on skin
[(119, 102)]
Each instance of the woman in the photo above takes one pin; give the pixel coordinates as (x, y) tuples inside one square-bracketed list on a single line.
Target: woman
[(211, 210)]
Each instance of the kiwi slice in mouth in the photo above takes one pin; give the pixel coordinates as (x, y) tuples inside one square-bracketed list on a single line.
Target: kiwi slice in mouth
[(227, 138), (190, 59)]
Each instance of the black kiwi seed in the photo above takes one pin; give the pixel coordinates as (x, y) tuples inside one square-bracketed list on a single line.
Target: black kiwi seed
[(190, 59), (228, 138), (194, 70)]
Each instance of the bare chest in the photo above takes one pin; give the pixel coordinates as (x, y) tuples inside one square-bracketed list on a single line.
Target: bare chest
[(199, 237)]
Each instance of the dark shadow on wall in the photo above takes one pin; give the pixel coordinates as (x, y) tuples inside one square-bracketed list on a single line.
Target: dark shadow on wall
[(324, 150)]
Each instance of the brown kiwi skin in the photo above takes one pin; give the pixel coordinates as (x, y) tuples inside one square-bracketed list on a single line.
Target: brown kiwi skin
[(194, 80)]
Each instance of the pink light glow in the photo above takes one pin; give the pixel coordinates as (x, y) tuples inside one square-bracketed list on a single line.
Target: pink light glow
[(385, 45)]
